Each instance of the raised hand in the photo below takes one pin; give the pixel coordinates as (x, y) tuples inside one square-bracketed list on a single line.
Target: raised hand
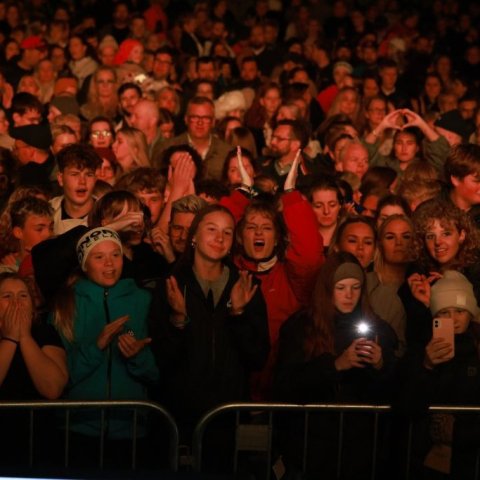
[(246, 179), (243, 291), (291, 179), (181, 177), (126, 222), (129, 346), (391, 120), (175, 297), (110, 330), (413, 119), (420, 286), (160, 242)]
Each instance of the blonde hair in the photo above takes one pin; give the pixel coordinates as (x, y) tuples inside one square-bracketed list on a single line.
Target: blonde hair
[(137, 145), (94, 108), (379, 259)]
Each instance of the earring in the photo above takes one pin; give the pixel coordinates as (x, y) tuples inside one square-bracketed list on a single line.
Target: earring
[(194, 243)]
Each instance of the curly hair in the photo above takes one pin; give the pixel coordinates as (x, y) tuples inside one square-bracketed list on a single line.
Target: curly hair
[(448, 215)]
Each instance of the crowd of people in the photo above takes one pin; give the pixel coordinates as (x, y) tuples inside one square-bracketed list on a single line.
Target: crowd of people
[(202, 204)]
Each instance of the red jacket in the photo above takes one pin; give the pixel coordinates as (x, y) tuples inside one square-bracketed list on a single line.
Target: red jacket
[(287, 286)]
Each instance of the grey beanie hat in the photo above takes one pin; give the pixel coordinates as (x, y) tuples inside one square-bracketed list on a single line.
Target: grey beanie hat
[(349, 270), (453, 290)]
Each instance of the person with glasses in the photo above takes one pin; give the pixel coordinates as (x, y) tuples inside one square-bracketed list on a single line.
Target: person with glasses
[(100, 133), (288, 138), (162, 64), (200, 121)]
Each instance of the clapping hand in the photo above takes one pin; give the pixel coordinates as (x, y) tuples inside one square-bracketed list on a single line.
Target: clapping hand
[(110, 330), (243, 291), (129, 346)]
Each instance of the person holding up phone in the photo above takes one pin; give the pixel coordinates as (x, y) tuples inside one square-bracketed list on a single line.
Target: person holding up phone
[(339, 351), (446, 372)]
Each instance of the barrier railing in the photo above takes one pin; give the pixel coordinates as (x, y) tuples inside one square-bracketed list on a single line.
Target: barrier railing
[(270, 409), (103, 406), (256, 436)]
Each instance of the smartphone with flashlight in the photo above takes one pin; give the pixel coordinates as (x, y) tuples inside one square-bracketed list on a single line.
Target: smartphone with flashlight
[(443, 328), (364, 330)]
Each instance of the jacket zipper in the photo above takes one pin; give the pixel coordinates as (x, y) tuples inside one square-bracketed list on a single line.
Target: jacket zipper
[(109, 348)]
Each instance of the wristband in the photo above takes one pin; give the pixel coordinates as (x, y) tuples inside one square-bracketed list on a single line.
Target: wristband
[(232, 311), (8, 339)]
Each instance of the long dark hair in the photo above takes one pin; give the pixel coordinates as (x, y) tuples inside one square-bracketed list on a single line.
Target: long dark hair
[(319, 334)]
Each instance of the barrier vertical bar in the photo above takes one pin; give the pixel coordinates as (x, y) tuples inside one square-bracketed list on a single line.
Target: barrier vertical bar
[(102, 439), (375, 443), (67, 437), (134, 440), (305, 440), (235, 453), (340, 444), (30, 439), (269, 451)]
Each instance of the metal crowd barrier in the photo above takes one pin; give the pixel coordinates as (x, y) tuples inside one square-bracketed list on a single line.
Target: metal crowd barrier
[(250, 437), (103, 407), (270, 409)]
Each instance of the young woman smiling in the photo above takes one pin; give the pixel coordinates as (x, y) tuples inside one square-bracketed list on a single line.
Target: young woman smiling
[(209, 324), (102, 320), (447, 240)]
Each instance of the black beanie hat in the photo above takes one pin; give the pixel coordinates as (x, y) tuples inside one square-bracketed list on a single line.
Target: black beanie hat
[(38, 136)]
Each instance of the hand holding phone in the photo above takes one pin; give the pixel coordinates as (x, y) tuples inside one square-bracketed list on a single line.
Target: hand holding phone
[(370, 352), (441, 347)]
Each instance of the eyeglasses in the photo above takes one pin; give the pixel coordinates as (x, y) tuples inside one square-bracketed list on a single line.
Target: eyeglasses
[(200, 118), (101, 133)]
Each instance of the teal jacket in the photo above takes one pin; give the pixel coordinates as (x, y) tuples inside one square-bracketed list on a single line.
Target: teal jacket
[(106, 374)]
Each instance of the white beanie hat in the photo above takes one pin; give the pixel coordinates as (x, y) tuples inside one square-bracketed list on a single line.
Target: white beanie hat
[(453, 290), (91, 239), (229, 101)]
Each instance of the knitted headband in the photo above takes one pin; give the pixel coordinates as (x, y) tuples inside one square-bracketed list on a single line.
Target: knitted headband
[(91, 239), (349, 270)]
